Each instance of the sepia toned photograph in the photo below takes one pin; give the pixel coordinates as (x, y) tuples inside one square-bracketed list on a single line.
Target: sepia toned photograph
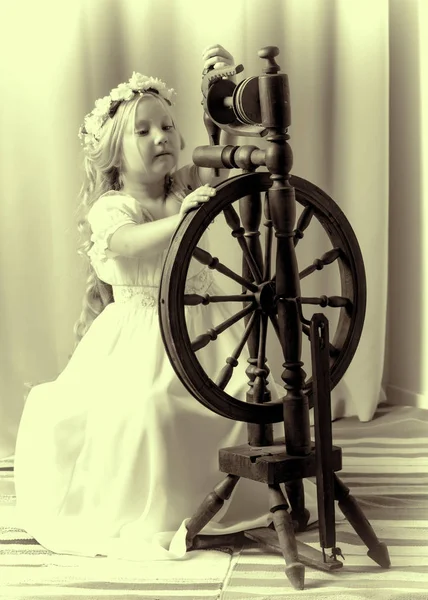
[(214, 300)]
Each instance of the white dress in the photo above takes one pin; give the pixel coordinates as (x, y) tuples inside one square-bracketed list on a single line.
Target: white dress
[(114, 456)]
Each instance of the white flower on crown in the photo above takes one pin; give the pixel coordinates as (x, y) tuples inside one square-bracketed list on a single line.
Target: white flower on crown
[(90, 132), (102, 106), (93, 124), (138, 81), (122, 92)]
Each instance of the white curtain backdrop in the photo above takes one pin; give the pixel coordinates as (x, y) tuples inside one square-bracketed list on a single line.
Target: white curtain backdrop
[(346, 69)]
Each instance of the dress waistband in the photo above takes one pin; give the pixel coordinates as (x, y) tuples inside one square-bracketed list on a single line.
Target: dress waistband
[(147, 296)]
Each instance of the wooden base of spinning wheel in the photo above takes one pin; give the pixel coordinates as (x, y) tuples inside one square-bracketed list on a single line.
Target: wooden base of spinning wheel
[(269, 465), (272, 465)]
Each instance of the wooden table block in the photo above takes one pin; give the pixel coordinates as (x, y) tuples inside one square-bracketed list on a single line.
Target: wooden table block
[(272, 464)]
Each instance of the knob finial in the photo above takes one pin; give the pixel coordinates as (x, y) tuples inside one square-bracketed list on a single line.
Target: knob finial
[(269, 53)]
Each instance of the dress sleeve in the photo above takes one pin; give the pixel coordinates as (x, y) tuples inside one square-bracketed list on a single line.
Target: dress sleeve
[(185, 181), (106, 216)]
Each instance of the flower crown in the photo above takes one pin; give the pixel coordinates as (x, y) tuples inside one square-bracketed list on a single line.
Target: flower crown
[(105, 108)]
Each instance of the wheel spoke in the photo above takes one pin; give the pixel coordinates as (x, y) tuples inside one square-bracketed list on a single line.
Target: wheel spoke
[(205, 338), (303, 223), (225, 374), (196, 299), (319, 263), (238, 232), (212, 262), (268, 241), (333, 301)]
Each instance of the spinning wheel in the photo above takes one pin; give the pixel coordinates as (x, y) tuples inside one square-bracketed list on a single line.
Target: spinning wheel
[(259, 106)]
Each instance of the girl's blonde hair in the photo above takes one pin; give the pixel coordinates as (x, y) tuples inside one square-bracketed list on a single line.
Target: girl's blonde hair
[(102, 173)]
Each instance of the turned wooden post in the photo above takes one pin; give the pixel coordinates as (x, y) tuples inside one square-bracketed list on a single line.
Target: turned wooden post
[(250, 211), (275, 111)]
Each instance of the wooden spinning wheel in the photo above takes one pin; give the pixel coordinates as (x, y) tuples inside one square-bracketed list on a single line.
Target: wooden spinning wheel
[(270, 298)]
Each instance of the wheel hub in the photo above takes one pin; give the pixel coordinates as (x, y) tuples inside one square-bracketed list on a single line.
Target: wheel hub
[(266, 298)]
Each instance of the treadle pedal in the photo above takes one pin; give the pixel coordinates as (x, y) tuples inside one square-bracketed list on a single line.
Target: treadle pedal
[(308, 556)]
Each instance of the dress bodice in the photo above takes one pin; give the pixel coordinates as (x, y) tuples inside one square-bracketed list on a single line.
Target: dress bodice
[(115, 209)]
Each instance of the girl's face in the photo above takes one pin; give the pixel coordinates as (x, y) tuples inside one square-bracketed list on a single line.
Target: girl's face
[(150, 145)]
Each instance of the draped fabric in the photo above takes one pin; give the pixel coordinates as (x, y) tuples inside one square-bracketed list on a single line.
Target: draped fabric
[(356, 132)]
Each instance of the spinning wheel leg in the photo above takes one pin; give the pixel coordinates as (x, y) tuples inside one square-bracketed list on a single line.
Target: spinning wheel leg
[(378, 551), (294, 569), (296, 497), (210, 507)]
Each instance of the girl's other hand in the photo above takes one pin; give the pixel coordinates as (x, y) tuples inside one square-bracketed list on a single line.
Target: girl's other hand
[(216, 56), (196, 198)]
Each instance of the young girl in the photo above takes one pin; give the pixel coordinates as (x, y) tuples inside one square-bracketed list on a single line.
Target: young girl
[(114, 456)]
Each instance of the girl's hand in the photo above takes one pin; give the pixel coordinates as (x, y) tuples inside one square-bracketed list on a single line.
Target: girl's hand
[(196, 198), (216, 56)]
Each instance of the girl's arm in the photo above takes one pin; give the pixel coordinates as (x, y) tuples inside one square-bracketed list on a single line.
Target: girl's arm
[(148, 239)]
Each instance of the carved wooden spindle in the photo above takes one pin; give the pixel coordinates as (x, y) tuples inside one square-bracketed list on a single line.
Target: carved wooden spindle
[(302, 224), (205, 258), (275, 111), (238, 232), (196, 299), (257, 371), (319, 263), (333, 301), (202, 340), (226, 373)]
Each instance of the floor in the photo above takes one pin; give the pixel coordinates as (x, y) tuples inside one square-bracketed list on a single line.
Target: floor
[(385, 464)]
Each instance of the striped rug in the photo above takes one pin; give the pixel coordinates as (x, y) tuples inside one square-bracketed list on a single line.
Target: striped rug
[(385, 463)]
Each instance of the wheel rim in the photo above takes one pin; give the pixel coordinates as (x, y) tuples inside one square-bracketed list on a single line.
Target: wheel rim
[(174, 330)]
